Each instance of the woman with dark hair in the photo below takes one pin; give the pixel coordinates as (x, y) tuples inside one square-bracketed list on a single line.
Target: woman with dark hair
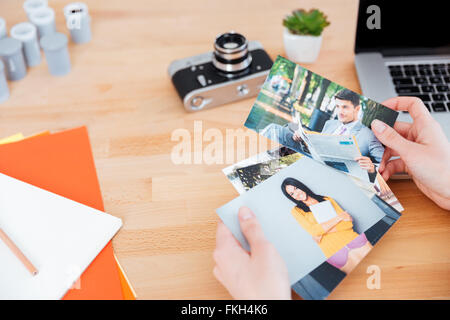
[(343, 247)]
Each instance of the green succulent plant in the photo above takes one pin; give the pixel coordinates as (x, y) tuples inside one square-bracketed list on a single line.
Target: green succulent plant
[(304, 22)]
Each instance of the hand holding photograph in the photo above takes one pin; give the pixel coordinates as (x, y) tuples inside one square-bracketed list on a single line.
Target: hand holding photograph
[(250, 172), (295, 103), (321, 230)]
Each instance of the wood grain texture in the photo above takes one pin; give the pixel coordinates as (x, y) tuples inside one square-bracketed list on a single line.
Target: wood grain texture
[(119, 88)]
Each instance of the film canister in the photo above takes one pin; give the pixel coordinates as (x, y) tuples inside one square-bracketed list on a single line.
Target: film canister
[(56, 53), (2, 28), (44, 20), (32, 5), (12, 56), (4, 90), (27, 33)]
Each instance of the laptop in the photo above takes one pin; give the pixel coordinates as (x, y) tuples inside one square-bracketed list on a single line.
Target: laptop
[(402, 48)]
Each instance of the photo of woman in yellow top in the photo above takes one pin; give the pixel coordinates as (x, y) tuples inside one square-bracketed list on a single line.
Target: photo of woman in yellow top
[(343, 247)]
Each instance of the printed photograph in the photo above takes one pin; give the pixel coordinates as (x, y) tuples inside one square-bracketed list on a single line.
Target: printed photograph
[(246, 177), (301, 109), (255, 174), (328, 224), (331, 224)]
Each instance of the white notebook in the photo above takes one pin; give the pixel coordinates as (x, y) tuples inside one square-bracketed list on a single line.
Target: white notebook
[(59, 236), (323, 211)]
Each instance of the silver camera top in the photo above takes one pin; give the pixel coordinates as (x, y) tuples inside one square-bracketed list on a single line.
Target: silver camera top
[(235, 70), (188, 62), (231, 53)]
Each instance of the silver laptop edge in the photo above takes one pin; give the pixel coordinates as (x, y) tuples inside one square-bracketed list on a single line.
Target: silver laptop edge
[(376, 82), (372, 67)]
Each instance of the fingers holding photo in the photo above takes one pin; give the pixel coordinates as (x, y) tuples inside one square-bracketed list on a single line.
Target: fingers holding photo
[(414, 106), (252, 230), (227, 247), (391, 138), (392, 167), (388, 154), (241, 272), (404, 129)]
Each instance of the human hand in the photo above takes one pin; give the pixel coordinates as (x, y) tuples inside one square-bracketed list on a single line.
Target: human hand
[(317, 239), (422, 146), (345, 216), (296, 136), (366, 164), (260, 274)]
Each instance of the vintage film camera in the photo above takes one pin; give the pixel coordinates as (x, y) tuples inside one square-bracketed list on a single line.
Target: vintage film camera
[(235, 70)]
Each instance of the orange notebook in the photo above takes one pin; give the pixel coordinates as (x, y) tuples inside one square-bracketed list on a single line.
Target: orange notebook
[(62, 163), (127, 290)]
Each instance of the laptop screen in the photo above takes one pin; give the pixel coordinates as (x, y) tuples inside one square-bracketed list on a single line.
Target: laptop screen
[(402, 27)]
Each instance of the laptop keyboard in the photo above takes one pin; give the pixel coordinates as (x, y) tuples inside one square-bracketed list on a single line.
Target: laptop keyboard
[(429, 82)]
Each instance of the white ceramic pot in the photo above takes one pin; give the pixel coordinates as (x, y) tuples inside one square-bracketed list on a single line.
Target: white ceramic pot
[(300, 48)]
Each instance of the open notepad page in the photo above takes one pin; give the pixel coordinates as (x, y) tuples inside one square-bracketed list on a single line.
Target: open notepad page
[(60, 237)]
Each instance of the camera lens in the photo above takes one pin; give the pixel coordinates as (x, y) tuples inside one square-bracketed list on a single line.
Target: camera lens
[(231, 54)]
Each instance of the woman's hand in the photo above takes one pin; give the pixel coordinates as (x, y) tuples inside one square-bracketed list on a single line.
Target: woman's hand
[(329, 225), (260, 274), (422, 146), (317, 239), (366, 164)]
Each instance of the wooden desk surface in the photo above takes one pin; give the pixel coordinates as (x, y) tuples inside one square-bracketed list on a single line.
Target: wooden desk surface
[(119, 88)]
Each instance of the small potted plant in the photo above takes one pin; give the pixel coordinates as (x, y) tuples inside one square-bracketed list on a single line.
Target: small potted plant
[(303, 34)]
